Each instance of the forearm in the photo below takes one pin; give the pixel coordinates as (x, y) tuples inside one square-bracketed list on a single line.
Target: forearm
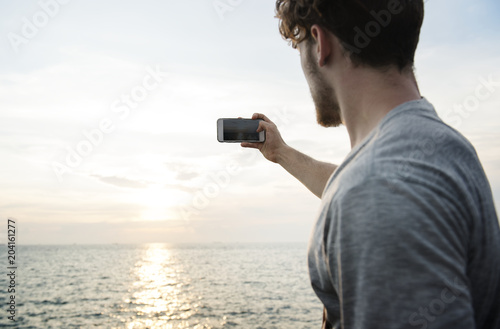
[(312, 173)]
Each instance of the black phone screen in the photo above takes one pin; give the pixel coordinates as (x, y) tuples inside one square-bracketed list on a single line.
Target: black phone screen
[(241, 130)]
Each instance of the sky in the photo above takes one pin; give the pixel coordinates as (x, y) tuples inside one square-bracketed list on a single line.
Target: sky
[(108, 116)]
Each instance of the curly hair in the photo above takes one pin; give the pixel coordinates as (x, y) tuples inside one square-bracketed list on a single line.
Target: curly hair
[(377, 33)]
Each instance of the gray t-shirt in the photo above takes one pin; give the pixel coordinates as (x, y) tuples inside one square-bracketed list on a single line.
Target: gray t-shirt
[(407, 235)]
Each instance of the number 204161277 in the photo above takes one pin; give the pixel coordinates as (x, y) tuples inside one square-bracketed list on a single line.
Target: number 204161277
[(11, 238)]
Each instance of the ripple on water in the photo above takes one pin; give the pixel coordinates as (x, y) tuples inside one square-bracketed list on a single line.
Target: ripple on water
[(160, 286)]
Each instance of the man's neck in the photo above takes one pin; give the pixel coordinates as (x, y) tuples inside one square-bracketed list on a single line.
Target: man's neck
[(367, 96)]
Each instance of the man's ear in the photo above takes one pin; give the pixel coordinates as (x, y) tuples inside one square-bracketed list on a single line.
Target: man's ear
[(323, 46)]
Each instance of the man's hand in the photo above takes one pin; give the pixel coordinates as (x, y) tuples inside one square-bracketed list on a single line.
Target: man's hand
[(273, 147), (312, 173)]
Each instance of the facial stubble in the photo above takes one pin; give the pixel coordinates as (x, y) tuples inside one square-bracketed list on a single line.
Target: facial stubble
[(327, 107)]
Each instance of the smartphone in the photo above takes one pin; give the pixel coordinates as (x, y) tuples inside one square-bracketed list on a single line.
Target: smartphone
[(239, 130)]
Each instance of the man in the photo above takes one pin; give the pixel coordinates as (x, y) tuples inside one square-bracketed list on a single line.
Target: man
[(407, 235)]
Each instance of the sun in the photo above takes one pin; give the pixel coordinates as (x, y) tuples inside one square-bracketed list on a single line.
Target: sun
[(158, 203), (155, 214)]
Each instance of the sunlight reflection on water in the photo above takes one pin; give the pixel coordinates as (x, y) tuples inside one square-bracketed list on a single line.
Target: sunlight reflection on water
[(161, 295), (190, 286)]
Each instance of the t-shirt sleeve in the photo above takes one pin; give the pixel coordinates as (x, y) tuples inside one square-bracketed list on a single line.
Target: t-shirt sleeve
[(399, 255)]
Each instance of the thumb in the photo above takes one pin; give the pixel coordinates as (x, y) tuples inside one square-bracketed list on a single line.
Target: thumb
[(263, 126)]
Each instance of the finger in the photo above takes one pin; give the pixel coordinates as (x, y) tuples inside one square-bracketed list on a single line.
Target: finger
[(250, 145), (256, 116), (263, 126)]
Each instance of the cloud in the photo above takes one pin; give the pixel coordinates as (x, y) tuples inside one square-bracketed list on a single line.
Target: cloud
[(184, 171), (186, 175), (182, 188), (121, 181)]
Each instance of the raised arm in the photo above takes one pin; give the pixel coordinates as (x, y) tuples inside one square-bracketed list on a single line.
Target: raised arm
[(310, 172)]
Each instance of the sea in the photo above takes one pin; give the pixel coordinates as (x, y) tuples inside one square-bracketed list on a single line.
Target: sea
[(211, 285)]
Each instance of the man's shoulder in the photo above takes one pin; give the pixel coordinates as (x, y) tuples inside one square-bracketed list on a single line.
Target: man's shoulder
[(415, 127), (415, 140), (412, 144)]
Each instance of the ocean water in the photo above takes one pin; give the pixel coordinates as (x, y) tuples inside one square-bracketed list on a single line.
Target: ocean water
[(161, 286)]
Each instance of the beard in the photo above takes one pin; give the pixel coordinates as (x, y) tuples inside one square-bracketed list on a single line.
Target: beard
[(327, 106)]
